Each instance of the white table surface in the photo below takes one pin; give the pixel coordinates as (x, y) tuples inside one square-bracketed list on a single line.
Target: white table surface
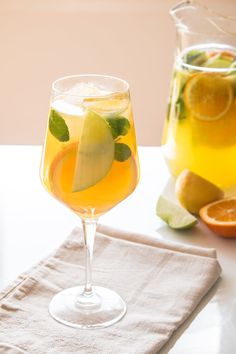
[(32, 224)]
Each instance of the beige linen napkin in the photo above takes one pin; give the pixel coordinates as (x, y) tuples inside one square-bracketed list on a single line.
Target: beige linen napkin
[(161, 282)]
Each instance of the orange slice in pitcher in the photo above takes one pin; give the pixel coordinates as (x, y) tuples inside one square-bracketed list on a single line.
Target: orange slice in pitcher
[(220, 217), (208, 96)]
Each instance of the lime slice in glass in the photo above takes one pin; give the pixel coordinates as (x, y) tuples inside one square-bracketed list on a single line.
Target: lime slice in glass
[(95, 152)]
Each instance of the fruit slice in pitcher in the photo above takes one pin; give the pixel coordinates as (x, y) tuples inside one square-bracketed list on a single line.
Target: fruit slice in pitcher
[(208, 96)]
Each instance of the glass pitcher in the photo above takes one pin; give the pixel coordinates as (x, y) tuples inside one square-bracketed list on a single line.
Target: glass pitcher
[(200, 127)]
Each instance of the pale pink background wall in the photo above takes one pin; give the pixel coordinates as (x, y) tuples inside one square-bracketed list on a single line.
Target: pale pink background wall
[(41, 40)]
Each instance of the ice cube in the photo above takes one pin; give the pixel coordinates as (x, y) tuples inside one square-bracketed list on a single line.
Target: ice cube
[(68, 109), (82, 90), (94, 96)]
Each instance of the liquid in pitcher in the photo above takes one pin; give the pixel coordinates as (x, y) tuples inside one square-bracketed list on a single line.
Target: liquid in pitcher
[(200, 127)]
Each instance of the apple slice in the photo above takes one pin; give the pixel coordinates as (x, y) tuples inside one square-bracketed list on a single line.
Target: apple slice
[(95, 153)]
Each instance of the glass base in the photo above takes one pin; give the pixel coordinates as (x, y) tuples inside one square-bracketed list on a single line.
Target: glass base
[(73, 308)]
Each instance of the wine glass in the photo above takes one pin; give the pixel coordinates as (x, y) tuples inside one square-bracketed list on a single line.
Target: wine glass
[(90, 164)]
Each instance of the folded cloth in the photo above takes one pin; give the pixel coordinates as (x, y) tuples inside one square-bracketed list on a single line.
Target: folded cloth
[(161, 282)]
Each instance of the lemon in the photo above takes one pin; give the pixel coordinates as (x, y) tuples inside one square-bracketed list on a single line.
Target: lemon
[(194, 192), (95, 152), (174, 215), (208, 96)]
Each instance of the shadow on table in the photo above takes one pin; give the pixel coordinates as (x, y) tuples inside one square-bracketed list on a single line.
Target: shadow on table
[(221, 313), (176, 335), (199, 236), (2, 246)]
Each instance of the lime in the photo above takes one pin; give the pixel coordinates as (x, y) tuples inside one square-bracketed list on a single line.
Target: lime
[(194, 192), (174, 215), (208, 96), (95, 152), (218, 63), (219, 60)]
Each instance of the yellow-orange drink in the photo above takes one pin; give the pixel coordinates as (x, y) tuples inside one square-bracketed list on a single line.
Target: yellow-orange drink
[(200, 128), (90, 158)]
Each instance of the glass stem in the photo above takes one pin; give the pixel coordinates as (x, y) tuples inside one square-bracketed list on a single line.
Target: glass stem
[(89, 228)]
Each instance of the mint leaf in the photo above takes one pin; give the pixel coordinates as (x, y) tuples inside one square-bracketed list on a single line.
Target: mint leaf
[(119, 126), (180, 111), (233, 65), (122, 152), (168, 110), (195, 57), (58, 127)]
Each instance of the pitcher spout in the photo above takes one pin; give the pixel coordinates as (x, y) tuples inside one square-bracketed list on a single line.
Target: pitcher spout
[(191, 16)]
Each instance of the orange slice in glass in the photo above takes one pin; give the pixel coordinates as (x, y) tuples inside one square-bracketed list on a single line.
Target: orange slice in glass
[(220, 217), (208, 96), (62, 169)]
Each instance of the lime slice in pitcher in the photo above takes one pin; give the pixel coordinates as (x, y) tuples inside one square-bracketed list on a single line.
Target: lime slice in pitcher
[(208, 96), (95, 152)]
